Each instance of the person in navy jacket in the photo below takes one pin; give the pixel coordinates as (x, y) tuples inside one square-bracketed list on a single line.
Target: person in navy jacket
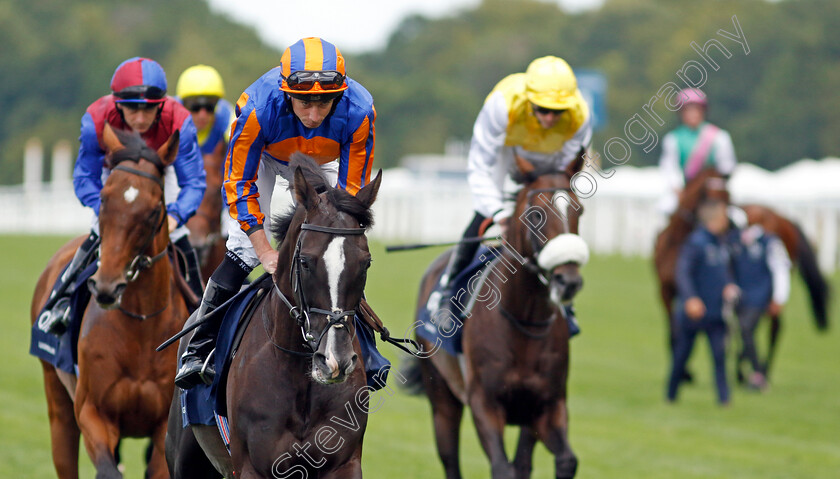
[(138, 103), (762, 272), (705, 285)]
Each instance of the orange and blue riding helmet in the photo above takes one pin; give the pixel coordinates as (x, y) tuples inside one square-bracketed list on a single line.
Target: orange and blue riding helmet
[(313, 69), (139, 80)]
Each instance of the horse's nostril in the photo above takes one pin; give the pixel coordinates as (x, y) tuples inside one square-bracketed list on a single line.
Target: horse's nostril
[(354, 358)]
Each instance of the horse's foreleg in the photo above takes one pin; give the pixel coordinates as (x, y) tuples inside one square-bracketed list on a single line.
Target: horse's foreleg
[(524, 452), (64, 432), (350, 470), (157, 468), (775, 329), (489, 419), (552, 429), (101, 438), (447, 412)]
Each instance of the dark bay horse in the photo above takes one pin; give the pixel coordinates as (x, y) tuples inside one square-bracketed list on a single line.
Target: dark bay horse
[(206, 226), (516, 348), (710, 184), (123, 387), (297, 398)]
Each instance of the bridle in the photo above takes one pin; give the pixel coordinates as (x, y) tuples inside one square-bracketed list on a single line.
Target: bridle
[(536, 247), (143, 261), (301, 313)]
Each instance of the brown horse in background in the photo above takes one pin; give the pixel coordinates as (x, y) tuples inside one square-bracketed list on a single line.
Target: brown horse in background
[(206, 225), (709, 184), (123, 387), (515, 349)]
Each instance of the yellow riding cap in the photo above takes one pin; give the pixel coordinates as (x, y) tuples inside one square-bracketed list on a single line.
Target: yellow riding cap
[(200, 80), (550, 83)]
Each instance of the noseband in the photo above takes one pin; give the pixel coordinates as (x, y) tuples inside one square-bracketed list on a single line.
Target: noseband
[(301, 312)]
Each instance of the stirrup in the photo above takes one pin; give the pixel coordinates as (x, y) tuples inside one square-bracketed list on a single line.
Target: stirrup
[(208, 380)]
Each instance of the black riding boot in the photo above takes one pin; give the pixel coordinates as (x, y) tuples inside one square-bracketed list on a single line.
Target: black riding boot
[(203, 340), (222, 285), (193, 275), (459, 260), (56, 312)]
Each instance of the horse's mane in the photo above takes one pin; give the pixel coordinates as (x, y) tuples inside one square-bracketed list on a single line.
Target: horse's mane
[(341, 200), (539, 169), (135, 149)]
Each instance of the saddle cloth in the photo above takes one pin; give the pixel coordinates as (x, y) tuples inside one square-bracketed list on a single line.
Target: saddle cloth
[(449, 336), (201, 404)]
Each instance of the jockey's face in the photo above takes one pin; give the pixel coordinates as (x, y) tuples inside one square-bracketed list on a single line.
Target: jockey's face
[(202, 109), (692, 115), (547, 118), (139, 116), (311, 113)]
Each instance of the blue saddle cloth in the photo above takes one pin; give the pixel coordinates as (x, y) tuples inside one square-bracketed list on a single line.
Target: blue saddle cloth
[(449, 336), (200, 404), (61, 351)]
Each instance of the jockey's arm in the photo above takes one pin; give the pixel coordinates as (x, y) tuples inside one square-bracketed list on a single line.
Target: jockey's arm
[(669, 163), (189, 168), (87, 172), (724, 153), (356, 159), (241, 165), (485, 173)]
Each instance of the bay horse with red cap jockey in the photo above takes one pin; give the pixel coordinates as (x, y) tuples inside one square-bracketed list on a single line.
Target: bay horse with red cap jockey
[(124, 387), (515, 348)]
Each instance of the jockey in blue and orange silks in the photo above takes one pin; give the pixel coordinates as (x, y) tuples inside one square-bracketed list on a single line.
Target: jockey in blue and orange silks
[(138, 103), (306, 104)]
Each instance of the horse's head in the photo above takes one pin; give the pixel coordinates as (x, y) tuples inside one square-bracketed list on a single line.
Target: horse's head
[(545, 227), (709, 184), (326, 247), (132, 213)]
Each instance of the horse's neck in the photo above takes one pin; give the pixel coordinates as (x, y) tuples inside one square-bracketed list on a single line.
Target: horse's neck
[(522, 292)]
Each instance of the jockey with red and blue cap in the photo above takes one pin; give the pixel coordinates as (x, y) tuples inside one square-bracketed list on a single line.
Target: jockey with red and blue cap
[(138, 103), (693, 146), (307, 104)]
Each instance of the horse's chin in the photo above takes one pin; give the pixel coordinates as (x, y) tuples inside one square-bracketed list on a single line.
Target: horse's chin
[(322, 377), (109, 306)]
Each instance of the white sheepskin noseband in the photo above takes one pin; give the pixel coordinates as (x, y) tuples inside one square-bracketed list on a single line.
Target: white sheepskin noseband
[(562, 249)]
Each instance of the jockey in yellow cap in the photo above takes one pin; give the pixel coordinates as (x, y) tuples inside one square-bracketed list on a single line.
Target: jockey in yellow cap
[(539, 115)]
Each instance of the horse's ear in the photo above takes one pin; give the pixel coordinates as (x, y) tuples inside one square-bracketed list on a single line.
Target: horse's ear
[(367, 195), (305, 194), (110, 139), (577, 164), (525, 167), (169, 150)]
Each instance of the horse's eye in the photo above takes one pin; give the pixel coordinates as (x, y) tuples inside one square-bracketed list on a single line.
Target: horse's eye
[(304, 263), (367, 263)]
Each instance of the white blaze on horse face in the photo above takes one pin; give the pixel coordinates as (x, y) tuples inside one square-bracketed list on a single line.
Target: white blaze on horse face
[(562, 205), (334, 262), (131, 194)]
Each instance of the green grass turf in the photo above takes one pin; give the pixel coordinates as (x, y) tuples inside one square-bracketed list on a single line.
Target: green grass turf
[(620, 425)]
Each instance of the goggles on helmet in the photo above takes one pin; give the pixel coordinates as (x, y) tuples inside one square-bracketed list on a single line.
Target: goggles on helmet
[(140, 93), (304, 80)]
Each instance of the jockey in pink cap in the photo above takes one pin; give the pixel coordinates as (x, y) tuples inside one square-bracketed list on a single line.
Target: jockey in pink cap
[(693, 146)]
